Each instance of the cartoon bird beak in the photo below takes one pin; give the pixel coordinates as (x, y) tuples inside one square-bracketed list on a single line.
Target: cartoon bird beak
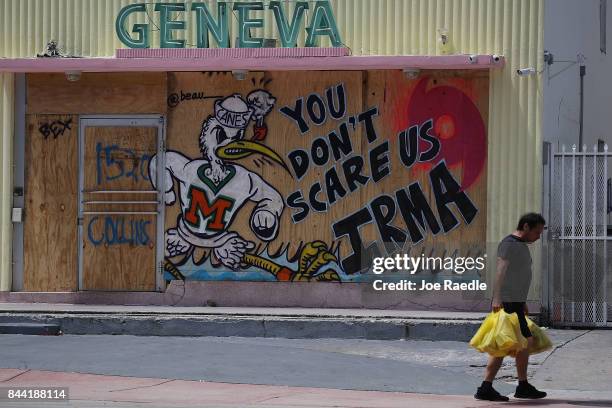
[(243, 148)]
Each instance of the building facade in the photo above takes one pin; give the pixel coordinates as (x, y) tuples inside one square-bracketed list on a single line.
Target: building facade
[(265, 176)]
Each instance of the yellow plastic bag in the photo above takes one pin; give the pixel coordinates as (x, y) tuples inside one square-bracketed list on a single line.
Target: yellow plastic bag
[(499, 335), (541, 342), (485, 328)]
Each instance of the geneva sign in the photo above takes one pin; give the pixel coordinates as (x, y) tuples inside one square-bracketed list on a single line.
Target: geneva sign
[(322, 24)]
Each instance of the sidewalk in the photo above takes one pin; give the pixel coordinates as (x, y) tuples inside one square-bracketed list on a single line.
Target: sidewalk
[(87, 390), (246, 321), (155, 372), (239, 311), (177, 393)]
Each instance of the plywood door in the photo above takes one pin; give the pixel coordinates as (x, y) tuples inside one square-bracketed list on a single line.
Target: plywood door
[(119, 209), (50, 222)]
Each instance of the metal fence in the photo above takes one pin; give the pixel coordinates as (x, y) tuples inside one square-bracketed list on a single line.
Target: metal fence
[(578, 247)]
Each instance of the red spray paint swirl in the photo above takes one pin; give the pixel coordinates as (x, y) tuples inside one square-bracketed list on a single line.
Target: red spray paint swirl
[(457, 124)]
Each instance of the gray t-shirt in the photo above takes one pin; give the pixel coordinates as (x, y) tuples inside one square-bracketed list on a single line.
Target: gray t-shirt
[(518, 275)]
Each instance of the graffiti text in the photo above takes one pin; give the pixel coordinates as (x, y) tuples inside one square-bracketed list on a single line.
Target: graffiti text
[(414, 210), (55, 128), (118, 231), (114, 162)]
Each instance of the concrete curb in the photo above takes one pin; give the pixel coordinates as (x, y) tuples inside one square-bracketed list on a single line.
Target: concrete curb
[(251, 326), (30, 328)]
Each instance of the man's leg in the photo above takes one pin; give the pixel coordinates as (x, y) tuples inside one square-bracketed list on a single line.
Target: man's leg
[(524, 389), (493, 366), (486, 391), (522, 361)]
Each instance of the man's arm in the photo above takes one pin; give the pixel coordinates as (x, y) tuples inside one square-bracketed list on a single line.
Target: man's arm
[(502, 266)]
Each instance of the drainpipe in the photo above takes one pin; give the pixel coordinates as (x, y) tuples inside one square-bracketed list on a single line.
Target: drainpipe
[(582, 74)]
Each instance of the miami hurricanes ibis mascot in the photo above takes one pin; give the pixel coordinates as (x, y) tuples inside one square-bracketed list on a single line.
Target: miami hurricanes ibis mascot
[(212, 191)]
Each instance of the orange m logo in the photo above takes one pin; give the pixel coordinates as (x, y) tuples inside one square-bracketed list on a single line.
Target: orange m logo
[(198, 202)]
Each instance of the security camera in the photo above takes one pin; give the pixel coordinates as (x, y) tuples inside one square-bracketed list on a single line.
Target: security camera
[(526, 71), (411, 73), (73, 76), (496, 58), (240, 74), (473, 59), (548, 57)]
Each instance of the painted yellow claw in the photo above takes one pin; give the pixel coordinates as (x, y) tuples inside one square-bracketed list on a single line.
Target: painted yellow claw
[(328, 276), (313, 257), (323, 258), (309, 251)]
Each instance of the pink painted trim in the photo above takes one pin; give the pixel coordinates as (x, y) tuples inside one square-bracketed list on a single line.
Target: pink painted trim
[(230, 52), (254, 64)]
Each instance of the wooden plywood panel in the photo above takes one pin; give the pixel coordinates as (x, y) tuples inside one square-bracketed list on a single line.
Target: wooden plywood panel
[(117, 158), (357, 182), (195, 95), (118, 249), (456, 103), (50, 230), (119, 252), (97, 93)]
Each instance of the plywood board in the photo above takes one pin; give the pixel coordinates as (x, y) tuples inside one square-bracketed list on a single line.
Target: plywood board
[(117, 158), (50, 230), (253, 192), (119, 252), (97, 93), (118, 249), (378, 106), (456, 105), (185, 125)]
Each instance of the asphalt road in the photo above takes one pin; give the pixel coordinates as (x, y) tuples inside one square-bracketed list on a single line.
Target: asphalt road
[(404, 366)]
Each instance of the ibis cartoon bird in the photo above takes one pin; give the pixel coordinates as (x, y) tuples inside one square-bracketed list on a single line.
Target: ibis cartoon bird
[(212, 190)]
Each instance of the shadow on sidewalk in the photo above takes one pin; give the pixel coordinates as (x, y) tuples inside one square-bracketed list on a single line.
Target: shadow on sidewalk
[(558, 401)]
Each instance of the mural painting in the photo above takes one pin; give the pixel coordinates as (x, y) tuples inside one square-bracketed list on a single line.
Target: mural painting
[(213, 188), (306, 176)]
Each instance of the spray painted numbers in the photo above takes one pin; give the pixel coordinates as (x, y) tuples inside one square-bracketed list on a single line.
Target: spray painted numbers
[(116, 230), (114, 163)]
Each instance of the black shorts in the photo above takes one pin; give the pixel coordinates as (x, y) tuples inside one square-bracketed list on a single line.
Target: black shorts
[(519, 309)]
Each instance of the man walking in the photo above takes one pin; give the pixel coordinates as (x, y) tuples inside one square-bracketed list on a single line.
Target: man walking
[(512, 283)]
